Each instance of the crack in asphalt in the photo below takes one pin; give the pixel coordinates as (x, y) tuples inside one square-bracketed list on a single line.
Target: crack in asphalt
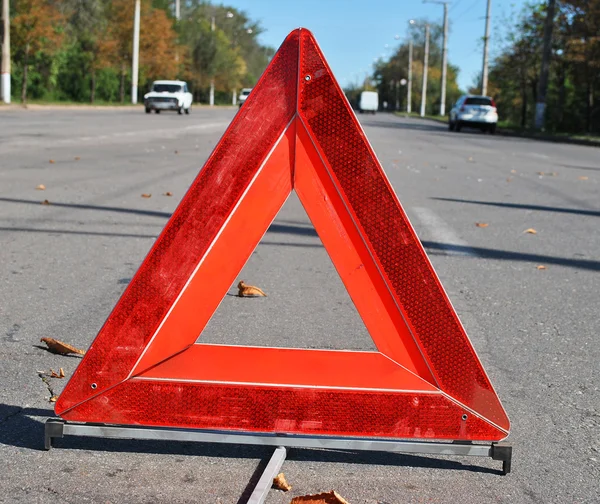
[(44, 378)]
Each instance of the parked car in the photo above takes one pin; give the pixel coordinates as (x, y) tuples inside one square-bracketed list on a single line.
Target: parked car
[(474, 112), (368, 102), (168, 95), (243, 95)]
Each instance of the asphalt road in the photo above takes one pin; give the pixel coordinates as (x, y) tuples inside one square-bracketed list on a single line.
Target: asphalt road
[(64, 265)]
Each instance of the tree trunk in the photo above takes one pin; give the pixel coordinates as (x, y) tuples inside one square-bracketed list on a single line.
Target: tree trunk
[(590, 107), (561, 97), (25, 68), (93, 87), (523, 104), (122, 84)]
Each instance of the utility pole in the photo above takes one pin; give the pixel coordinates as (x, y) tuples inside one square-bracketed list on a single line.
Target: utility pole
[(540, 106), (425, 68), (444, 56), (486, 39), (5, 71), (409, 83), (136, 53)]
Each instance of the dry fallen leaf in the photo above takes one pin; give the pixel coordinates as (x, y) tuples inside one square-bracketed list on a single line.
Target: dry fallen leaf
[(45, 202), (541, 173), (280, 483), (168, 193), (54, 398), (40, 187), (54, 374), (470, 159), (51, 161), (77, 158), (509, 179), (323, 498), (582, 178), (146, 195), (530, 231), (58, 347), (553, 174), (513, 171), (481, 224), (249, 290), (541, 266)]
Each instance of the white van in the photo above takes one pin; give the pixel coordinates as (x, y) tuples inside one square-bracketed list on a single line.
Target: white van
[(369, 102)]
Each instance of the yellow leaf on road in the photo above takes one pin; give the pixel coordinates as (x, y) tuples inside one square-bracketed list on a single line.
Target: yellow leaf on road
[(481, 224), (323, 498), (280, 483), (59, 347), (530, 231), (146, 195), (582, 178), (541, 267), (40, 187), (245, 290)]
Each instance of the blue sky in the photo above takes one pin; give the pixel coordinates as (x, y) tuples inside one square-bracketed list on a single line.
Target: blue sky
[(352, 33)]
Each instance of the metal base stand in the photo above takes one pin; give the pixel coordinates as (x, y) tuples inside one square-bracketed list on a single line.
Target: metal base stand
[(57, 428)]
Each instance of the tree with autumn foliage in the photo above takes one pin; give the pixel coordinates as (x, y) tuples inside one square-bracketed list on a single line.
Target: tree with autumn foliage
[(81, 50), (37, 28)]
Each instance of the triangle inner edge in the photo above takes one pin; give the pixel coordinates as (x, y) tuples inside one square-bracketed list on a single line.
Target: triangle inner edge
[(337, 232)]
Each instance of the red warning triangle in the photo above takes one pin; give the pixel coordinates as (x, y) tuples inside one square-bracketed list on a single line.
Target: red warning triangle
[(296, 131)]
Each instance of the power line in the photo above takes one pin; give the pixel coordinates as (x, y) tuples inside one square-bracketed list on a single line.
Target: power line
[(455, 5), (469, 8)]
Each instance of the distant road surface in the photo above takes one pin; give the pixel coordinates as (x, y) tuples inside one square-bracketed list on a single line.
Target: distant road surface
[(530, 303)]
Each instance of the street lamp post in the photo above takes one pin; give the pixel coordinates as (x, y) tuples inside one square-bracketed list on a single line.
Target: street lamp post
[(211, 95), (5, 71), (444, 54), (136, 53), (425, 68)]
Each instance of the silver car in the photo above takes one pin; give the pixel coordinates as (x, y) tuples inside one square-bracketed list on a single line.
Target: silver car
[(243, 95), (474, 112)]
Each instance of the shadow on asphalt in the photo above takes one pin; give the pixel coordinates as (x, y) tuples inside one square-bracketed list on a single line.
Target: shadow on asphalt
[(505, 255), (150, 213), (302, 229), (428, 126), (593, 213), (22, 431)]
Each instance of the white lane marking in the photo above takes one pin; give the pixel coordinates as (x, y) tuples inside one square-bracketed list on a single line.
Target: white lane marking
[(443, 234), (115, 138)]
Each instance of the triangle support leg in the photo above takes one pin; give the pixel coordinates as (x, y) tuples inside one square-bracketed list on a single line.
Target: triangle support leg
[(57, 428)]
